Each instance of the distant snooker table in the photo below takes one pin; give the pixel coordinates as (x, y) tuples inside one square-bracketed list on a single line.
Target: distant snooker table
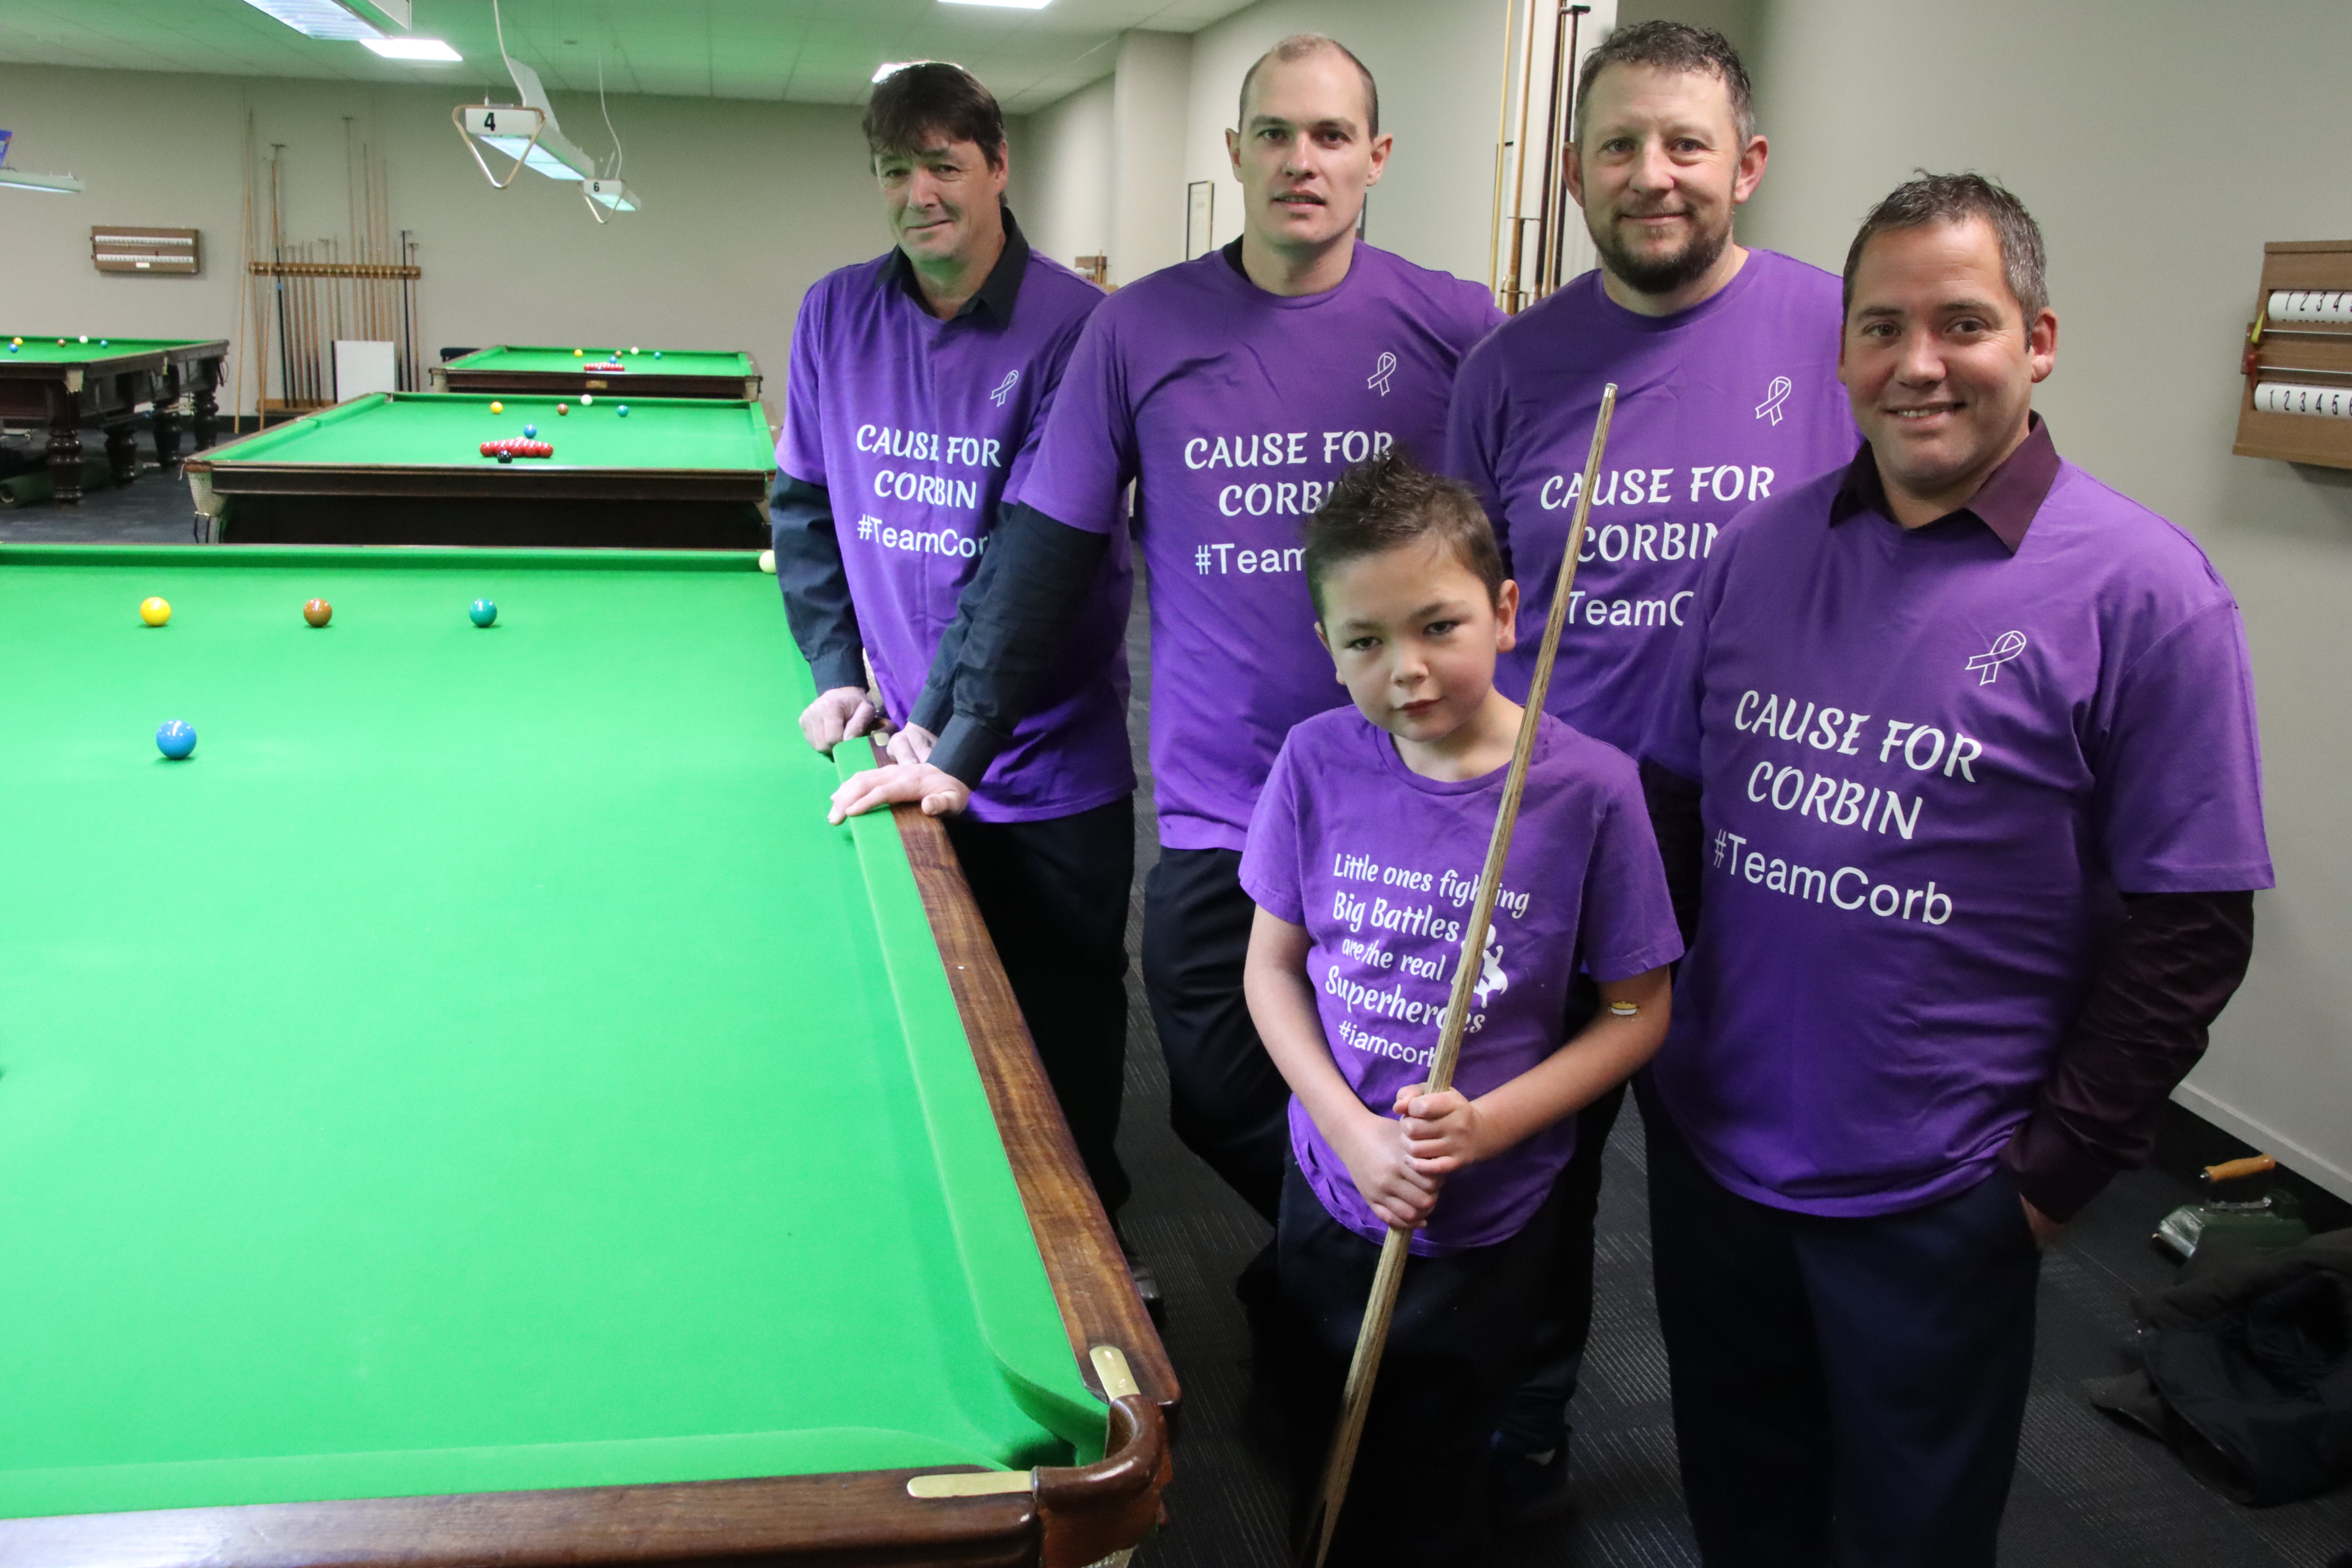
[(406, 468), (676, 372), (66, 382), (476, 1109)]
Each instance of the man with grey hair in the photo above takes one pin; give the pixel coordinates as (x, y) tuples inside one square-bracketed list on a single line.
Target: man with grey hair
[(1724, 358), (1957, 778), (1232, 391)]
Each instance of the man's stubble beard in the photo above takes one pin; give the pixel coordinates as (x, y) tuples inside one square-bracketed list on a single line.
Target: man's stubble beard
[(1663, 275)]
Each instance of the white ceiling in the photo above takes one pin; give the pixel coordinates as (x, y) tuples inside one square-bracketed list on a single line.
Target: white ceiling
[(811, 51)]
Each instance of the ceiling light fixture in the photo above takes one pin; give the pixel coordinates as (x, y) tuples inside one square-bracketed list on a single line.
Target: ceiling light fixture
[(528, 134), (345, 21), (432, 49), (890, 69), (1005, 4), (23, 180)]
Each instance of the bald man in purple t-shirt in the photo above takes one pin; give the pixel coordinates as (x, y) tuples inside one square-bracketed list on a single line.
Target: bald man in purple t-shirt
[(1958, 766), (1231, 391)]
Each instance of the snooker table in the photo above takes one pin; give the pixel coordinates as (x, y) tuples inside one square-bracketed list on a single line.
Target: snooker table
[(65, 382), (651, 373), (476, 1109), (406, 468)]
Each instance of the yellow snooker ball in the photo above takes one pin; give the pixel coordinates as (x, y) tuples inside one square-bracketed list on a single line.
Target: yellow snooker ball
[(577, 353), (498, 408), (154, 611)]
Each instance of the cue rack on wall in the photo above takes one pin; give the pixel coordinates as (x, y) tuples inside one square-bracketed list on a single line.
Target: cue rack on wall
[(2297, 400), (305, 293)]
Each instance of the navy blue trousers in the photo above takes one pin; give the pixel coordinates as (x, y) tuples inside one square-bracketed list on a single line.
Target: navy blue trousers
[(1847, 1391)]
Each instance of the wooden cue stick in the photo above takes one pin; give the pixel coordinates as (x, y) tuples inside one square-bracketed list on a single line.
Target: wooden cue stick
[(1373, 1338)]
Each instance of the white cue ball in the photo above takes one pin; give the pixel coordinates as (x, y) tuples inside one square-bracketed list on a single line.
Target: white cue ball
[(586, 398), (768, 562)]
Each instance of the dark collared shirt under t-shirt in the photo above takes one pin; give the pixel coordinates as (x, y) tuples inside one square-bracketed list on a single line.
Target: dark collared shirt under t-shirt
[(1932, 762)]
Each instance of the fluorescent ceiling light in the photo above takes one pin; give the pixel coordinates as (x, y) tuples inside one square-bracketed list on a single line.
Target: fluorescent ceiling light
[(888, 69), (56, 184), (1007, 5), (320, 18), (413, 49), (23, 180)]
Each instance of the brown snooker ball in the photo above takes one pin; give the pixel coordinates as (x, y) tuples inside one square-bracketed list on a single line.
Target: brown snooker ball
[(318, 611)]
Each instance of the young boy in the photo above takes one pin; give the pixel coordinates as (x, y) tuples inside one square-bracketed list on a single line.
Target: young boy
[(1363, 858)]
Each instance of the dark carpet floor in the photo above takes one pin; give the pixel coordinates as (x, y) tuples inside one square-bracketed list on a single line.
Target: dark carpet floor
[(2088, 1494)]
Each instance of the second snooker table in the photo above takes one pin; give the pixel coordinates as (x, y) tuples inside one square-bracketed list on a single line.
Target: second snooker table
[(654, 373), (67, 382), (406, 468), (476, 1109)]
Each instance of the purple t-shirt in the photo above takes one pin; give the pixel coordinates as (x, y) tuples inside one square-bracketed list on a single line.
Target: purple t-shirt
[(1928, 767), (1381, 866), (1717, 406), (1233, 409), (917, 428)]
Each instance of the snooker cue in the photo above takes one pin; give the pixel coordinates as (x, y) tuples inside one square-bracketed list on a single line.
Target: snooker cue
[(1373, 1337)]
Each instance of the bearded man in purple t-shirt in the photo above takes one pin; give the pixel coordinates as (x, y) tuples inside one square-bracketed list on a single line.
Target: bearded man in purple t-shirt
[(918, 382), (1232, 391), (1959, 769), (1725, 359)]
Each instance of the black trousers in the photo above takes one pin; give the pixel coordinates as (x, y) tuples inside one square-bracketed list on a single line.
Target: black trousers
[(1054, 895), (1463, 1337), (1227, 1101), (1536, 1421), (1847, 1391)]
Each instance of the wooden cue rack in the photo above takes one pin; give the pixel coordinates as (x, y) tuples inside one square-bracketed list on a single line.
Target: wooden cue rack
[(2306, 353)]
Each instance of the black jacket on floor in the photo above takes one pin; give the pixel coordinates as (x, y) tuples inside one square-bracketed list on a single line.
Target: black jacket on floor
[(2248, 1368)]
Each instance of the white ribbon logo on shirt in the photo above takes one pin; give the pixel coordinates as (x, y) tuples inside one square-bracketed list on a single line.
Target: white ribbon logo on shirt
[(1383, 369), (1774, 395), (2006, 647), (1491, 977), (1011, 379)]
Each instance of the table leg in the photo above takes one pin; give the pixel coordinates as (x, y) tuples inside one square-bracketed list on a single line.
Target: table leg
[(167, 419), (65, 462), (207, 422), (122, 451)]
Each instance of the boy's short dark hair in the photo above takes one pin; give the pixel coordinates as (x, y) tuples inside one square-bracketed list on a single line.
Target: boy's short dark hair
[(1390, 501), (933, 98)]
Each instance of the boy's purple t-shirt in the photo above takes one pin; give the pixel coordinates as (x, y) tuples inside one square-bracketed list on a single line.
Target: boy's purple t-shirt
[(1381, 866), (1929, 768), (1234, 409), (1718, 406), (917, 428)]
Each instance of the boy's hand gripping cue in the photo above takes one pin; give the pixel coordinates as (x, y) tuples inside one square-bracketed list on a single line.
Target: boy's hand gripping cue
[(1373, 1338)]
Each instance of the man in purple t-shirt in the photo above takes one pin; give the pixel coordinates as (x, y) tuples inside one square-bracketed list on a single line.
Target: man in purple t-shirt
[(1232, 390), (1726, 365), (918, 384), (1975, 826)]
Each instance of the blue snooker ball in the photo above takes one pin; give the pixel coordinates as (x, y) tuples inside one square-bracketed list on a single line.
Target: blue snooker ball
[(623, 411), (531, 429), (176, 740), (483, 612)]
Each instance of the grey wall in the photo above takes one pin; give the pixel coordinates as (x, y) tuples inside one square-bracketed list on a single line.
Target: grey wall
[(746, 205), (2160, 144), (1062, 175)]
